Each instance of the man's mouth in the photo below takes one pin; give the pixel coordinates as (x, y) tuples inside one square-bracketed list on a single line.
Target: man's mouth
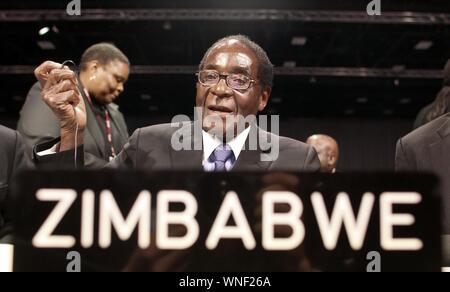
[(220, 109)]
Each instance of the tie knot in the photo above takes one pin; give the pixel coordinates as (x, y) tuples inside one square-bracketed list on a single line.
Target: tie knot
[(222, 153)]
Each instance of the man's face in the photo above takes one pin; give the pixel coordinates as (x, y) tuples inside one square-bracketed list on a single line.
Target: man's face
[(109, 81), (221, 101), (326, 151)]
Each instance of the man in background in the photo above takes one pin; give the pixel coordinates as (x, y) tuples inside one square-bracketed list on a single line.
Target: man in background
[(328, 150), (104, 70), (12, 159), (440, 106), (427, 150)]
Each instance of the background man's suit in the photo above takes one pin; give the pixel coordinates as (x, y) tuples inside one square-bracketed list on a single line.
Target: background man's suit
[(12, 158), (428, 149), (38, 124)]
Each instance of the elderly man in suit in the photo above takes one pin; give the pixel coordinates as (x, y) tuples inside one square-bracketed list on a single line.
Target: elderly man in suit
[(12, 159), (234, 80)]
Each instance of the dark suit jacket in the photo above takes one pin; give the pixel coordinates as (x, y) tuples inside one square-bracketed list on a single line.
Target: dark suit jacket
[(428, 149), (151, 149), (38, 124), (12, 159)]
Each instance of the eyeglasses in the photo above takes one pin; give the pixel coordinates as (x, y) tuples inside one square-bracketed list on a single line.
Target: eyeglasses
[(235, 81)]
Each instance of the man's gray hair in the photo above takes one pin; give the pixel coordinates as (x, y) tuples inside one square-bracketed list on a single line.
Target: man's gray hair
[(265, 66)]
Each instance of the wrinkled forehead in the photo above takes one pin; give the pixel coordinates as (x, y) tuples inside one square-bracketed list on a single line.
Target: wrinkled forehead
[(232, 57)]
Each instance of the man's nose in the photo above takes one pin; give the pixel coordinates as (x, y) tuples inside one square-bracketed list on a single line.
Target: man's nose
[(221, 89), (120, 88)]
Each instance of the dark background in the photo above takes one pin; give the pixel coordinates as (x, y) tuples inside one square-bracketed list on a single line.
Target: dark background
[(366, 114)]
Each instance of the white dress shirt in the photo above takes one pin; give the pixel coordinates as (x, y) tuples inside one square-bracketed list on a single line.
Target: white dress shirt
[(210, 143)]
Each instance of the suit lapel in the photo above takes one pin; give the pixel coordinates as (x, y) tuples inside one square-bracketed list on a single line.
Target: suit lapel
[(118, 121), (94, 128), (251, 159), (188, 159)]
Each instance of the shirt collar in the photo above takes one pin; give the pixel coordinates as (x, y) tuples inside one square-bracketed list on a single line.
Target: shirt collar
[(210, 143)]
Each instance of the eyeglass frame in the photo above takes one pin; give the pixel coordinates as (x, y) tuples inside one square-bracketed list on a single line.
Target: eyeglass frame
[(225, 77)]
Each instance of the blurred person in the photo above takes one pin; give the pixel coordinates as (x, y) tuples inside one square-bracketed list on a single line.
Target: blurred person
[(440, 106), (427, 150), (104, 70), (328, 150), (12, 159)]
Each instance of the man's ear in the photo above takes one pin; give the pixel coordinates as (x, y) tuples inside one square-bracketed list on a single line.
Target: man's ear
[(265, 95), (332, 159)]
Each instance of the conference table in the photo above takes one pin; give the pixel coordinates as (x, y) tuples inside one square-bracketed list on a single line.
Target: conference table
[(117, 221)]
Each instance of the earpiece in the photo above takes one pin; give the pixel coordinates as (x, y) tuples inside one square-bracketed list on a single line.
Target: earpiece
[(74, 110)]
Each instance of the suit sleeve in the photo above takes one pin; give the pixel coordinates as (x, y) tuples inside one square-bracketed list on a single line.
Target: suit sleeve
[(61, 160), (21, 161), (127, 158), (403, 159), (312, 162)]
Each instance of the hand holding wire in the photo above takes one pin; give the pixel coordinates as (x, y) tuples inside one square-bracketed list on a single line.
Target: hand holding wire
[(61, 92)]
